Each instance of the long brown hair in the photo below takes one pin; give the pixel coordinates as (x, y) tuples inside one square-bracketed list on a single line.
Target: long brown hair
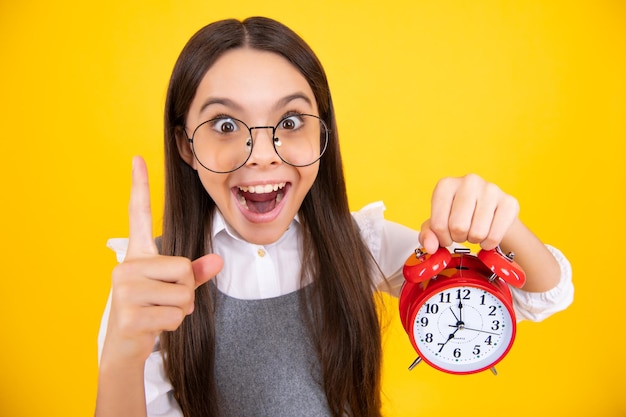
[(344, 320)]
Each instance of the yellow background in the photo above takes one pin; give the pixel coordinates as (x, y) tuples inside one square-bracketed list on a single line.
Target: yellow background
[(528, 94)]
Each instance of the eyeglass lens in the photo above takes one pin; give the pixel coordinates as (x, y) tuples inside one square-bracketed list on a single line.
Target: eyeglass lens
[(224, 144)]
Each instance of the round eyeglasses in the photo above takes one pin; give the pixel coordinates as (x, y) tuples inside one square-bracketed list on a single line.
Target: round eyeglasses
[(224, 144)]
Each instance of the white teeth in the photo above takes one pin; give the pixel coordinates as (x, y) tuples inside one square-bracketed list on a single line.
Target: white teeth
[(242, 201), (262, 189)]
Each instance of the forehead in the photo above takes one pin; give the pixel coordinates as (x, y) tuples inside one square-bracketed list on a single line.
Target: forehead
[(252, 79)]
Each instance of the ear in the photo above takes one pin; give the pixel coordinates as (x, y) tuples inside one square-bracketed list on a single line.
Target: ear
[(184, 147)]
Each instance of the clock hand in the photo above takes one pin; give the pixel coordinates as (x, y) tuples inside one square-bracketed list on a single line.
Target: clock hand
[(483, 331), (450, 337), (476, 330), (459, 322), (455, 317)]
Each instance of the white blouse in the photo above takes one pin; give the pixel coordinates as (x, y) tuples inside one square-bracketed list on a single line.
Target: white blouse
[(265, 271)]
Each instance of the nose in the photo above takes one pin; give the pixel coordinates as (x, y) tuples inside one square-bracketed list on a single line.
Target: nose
[(263, 151)]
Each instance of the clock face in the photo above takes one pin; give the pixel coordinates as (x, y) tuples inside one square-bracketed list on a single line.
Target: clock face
[(463, 329)]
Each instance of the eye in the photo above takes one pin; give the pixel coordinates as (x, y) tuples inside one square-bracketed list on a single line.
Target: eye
[(293, 122), (224, 125)]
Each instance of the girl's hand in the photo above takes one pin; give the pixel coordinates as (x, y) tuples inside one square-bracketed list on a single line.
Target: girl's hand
[(151, 293), (468, 209)]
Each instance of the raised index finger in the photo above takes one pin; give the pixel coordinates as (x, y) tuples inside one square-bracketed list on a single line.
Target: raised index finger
[(140, 241)]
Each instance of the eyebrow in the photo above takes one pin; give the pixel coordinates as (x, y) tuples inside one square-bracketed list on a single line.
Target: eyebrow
[(291, 97), (219, 100), (232, 104)]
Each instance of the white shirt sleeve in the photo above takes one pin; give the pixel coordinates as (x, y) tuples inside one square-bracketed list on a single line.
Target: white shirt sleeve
[(537, 306), (160, 400), (391, 244)]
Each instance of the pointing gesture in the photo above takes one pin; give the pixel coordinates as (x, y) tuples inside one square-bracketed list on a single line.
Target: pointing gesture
[(141, 243), (151, 293)]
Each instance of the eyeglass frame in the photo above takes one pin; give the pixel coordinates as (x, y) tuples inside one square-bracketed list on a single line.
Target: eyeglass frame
[(251, 138)]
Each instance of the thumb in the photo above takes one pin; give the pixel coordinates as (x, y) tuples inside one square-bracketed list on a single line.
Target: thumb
[(428, 239), (206, 267)]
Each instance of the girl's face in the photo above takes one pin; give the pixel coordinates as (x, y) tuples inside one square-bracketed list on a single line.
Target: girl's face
[(259, 88)]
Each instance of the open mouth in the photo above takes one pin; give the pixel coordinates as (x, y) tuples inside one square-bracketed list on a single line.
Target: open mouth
[(261, 198)]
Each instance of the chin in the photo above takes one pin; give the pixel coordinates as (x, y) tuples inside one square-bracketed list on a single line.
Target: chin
[(263, 238)]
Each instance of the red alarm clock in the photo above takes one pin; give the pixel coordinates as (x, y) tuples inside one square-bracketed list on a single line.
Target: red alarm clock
[(457, 308)]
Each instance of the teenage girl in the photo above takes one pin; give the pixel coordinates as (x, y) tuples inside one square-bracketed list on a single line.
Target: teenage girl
[(255, 198)]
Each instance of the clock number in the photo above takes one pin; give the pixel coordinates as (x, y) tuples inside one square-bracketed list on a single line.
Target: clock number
[(429, 338), (493, 310), (444, 297), (432, 308), (424, 321), (496, 325), (488, 340), (466, 294), (457, 353), (482, 300), (476, 350), (441, 345)]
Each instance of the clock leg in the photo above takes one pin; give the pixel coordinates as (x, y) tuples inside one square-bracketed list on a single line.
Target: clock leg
[(493, 370), (415, 363)]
